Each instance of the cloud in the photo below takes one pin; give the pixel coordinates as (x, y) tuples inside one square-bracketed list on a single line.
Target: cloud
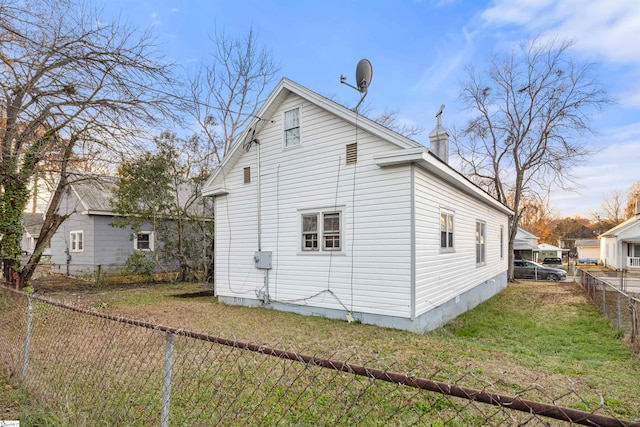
[(608, 29), (614, 167), (154, 19), (445, 64)]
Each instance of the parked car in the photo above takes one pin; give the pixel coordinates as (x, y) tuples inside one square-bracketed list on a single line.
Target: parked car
[(524, 269), (552, 262)]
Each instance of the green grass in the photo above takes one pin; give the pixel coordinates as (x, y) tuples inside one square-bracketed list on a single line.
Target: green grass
[(540, 334)]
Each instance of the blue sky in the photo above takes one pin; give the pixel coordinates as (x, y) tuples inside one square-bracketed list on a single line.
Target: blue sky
[(418, 50)]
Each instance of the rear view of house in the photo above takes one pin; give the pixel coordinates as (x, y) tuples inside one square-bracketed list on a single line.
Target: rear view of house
[(321, 211)]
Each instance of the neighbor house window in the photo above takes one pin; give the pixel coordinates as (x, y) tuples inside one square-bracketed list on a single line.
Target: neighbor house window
[(292, 127), (446, 231), (481, 249), (325, 227), (247, 175), (143, 241), (77, 243)]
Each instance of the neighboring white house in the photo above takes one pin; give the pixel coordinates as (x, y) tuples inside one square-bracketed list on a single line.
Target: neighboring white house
[(321, 211), (525, 245), (32, 223), (546, 250), (620, 246), (588, 251)]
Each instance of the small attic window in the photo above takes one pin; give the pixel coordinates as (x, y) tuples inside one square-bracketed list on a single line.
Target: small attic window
[(247, 175), (352, 153)]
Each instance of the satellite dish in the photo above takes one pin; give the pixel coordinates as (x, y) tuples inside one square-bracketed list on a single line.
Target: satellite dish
[(364, 73)]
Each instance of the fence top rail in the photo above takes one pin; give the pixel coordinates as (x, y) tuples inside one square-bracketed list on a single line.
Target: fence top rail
[(615, 288), (511, 402)]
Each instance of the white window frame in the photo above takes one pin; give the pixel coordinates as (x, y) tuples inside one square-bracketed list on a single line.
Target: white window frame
[(481, 243), (151, 241), (502, 242), (76, 241), (320, 237), (285, 129), (449, 230)]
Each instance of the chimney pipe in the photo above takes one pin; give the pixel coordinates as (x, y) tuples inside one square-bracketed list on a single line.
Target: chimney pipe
[(439, 139)]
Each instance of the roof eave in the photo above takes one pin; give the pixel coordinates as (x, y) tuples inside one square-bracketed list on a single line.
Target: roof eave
[(421, 157)]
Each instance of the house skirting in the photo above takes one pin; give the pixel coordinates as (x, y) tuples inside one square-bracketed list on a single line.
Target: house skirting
[(427, 321)]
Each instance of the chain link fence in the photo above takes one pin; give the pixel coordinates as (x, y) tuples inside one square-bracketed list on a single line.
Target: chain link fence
[(616, 303), (90, 368)]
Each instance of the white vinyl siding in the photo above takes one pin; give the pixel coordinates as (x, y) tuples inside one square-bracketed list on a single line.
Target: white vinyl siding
[(441, 276), (375, 233)]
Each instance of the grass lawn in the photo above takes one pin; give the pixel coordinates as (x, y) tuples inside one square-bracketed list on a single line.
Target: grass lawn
[(540, 335)]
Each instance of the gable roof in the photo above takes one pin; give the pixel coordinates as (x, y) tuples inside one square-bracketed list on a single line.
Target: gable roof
[(549, 247), (412, 152), (32, 223), (524, 234), (95, 192), (587, 243), (621, 228)]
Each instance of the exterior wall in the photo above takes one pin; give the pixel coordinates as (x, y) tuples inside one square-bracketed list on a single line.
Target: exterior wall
[(588, 252), (609, 252), (28, 242), (79, 262), (103, 245), (111, 245), (371, 275), (442, 277)]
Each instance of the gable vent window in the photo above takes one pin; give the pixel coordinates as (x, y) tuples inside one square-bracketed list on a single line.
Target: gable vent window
[(247, 175), (352, 153)]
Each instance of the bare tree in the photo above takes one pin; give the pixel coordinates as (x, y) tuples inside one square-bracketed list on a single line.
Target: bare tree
[(632, 197), (530, 111), (67, 79), (612, 209), (389, 119), (227, 94)]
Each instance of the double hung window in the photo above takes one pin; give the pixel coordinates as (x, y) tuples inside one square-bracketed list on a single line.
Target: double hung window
[(321, 231), (446, 231), (481, 249), (143, 241), (76, 241), (292, 127)]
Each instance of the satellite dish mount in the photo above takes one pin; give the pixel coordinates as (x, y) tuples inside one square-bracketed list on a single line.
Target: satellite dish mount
[(364, 73)]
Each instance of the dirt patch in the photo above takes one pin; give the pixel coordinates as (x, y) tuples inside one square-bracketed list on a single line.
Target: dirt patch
[(559, 293)]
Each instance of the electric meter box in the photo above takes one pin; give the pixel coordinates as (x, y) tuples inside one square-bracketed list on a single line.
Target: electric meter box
[(263, 259)]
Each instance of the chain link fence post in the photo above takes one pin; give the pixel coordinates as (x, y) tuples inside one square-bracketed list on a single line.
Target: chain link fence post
[(27, 337), (166, 383)]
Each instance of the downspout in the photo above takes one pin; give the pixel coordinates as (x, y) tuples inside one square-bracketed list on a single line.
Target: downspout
[(265, 298), (259, 198)]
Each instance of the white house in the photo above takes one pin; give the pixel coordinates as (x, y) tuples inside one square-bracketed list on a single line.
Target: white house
[(620, 246), (546, 250), (525, 245), (588, 251), (321, 211)]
